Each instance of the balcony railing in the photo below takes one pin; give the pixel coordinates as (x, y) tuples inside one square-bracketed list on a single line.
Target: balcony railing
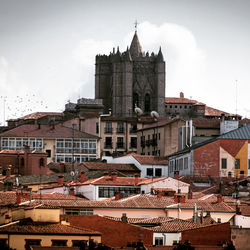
[(120, 145), (108, 130)]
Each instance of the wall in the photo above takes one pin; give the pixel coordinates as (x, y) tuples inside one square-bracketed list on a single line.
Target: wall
[(209, 235), (206, 160), (240, 238), (49, 144), (18, 241), (230, 163), (243, 156), (43, 215), (168, 238), (88, 191)]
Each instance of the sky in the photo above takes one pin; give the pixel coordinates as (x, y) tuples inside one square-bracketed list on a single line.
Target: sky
[(48, 48)]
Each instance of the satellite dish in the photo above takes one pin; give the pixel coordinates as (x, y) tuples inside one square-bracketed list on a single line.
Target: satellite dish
[(72, 173), (138, 111), (154, 114)]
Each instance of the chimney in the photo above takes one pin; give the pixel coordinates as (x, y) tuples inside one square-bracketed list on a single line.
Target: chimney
[(82, 176), (124, 218), (136, 179), (190, 194), (229, 177), (222, 117), (159, 195), (18, 197), (60, 179), (219, 220), (22, 194), (113, 176), (117, 195), (176, 175), (62, 167), (180, 198), (106, 175), (8, 172), (219, 198), (208, 214), (71, 191), (201, 217), (181, 95)]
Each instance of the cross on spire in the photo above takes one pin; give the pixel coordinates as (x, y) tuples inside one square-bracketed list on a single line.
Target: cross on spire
[(136, 23)]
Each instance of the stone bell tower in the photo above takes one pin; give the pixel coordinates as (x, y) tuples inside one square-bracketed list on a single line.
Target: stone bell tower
[(131, 79)]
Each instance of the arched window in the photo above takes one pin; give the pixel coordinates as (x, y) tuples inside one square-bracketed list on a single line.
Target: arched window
[(147, 103), (135, 100), (41, 161)]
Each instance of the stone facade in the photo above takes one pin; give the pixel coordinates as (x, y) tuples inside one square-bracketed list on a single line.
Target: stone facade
[(131, 79)]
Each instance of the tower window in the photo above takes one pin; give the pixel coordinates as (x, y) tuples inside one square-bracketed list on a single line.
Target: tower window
[(147, 103), (135, 100)]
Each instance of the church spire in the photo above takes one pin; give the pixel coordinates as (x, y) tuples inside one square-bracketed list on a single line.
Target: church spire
[(135, 47)]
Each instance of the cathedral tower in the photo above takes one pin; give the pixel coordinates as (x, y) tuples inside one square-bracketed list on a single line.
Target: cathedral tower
[(131, 79)]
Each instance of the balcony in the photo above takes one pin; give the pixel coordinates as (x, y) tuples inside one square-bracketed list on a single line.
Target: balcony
[(108, 130), (120, 145), (148, 143), (154, 142)]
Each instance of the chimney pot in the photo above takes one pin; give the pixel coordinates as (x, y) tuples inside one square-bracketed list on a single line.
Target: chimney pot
[(219, 198), (62, 167), (60, 180), (113, 176), (117, 195), (181, 95), (72, 191), (159, 195)]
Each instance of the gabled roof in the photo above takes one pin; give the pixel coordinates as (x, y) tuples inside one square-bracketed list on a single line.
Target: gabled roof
[(242, 133), (232, 148), (45, 131)]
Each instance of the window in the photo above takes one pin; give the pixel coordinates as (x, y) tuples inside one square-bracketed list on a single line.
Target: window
[(120, 127), (185, 163), (133, 128), (108, 128), (32, 242), (77, 211), (180, 163), (80, 243), (248, 163), (48, 151), (108, 142), (133, 142), (3, 244), (158, 172), (223, 163), (120, 142), (106, 192), (135, 101), (159, 241), (149, 171), (22, 162), (237, 163), (147, 103), (59, 242), (97, 128)]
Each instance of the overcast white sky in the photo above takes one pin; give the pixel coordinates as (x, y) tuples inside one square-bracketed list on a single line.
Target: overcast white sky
[(48, 48)]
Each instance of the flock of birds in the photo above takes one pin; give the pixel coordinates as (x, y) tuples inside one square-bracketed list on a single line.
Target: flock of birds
[(12, 107)]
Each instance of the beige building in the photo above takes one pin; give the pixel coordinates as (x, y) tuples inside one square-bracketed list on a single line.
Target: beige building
[(119, 134)]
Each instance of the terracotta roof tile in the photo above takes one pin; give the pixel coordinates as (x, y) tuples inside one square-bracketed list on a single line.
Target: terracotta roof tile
[(38, 115), (181, 100), (45, 131)]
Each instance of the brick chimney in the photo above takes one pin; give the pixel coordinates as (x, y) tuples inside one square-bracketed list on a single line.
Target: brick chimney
[(190, 194), (62, 167), (117, 195), (219, 198), (60, 179), (82, 176), (72, 191), (219, 220), (8, 172), (136, 179), (181, 95), (113, 176), (176, 175), (180, 198)]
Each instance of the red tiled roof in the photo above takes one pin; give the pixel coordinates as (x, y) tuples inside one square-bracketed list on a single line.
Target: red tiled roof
[(110, 166), (148, 159), (232, 148), (209, 111), (114, 233), (45, 131), (181, 100), (37, 115), (45, 228)]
